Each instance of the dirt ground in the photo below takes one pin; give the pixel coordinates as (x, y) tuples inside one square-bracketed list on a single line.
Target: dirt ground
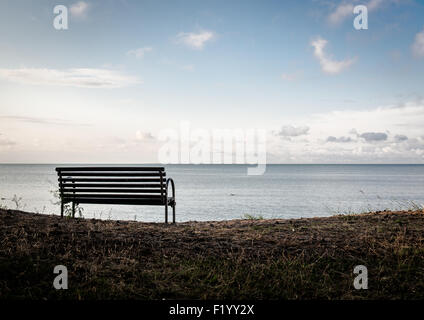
[(309, 258)]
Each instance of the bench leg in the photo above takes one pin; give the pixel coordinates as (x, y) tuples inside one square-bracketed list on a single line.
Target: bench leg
[(73, 209), (166, 213), (173, 213), (61, 209)]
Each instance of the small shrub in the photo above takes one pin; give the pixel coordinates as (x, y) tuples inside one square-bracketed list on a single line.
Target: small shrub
[(253, 217), (67, 208)]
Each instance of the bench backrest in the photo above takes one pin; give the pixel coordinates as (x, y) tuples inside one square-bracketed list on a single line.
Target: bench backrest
[(119, 185)]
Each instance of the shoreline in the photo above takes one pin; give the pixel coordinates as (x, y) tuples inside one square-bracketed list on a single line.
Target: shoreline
[(304, 258)]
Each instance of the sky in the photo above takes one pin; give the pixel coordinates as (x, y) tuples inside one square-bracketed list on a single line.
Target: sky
[(123, 72)]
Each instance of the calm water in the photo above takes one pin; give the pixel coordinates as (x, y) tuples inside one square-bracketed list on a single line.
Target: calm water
[(220, 192)]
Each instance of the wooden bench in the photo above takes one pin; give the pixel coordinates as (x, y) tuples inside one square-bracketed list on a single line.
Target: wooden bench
[(116, 185)]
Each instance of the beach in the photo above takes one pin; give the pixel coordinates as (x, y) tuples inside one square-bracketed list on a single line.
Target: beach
[(307, 258)]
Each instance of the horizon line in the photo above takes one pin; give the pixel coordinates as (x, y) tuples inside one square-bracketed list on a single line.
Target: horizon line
[(193, 164)]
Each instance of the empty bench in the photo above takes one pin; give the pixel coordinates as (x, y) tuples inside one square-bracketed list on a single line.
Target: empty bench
[(116, 185)]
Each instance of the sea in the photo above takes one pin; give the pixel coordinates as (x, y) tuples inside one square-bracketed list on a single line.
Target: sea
[(224, 192)]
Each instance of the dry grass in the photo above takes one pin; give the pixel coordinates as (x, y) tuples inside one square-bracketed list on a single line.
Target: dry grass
[(239, 259)]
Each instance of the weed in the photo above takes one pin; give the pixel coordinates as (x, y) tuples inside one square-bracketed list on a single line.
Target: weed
[(253, 217), (67, 207)]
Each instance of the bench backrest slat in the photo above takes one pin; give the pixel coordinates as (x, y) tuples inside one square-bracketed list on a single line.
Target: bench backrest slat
[(71, 179), (109, 190), (73, 169), (110, 174), (113, 196), (112, 183)]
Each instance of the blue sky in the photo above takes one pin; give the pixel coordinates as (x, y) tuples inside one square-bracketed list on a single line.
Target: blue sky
[(216, 64)]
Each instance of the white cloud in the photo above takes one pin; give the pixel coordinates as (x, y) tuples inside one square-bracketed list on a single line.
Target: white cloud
[(79, 9), (386, 134), (144, 136), (195, 40), (342, 11), (79, 77), (4, 142), (291, 131), (328, 65), (140, 52), (42, 121), (418, 45), (374, 4), (345, 10)]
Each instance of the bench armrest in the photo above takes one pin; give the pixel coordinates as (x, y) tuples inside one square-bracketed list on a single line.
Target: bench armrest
[(173, 187)]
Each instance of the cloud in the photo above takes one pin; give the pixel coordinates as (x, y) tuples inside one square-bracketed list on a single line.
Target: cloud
[(342, 11), (415, 144), (195, 40), (328, 65), (4, 142), (373, 136), (345, 10), (80, 77), (374, 4), (44, 121), (140, 52), (418, 45), (400, 138), (371, 142), (291, 131), (339, 140), (144, 136), (79, 9)]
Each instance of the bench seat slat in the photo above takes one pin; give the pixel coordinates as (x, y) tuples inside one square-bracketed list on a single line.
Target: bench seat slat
[(152, 202)]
